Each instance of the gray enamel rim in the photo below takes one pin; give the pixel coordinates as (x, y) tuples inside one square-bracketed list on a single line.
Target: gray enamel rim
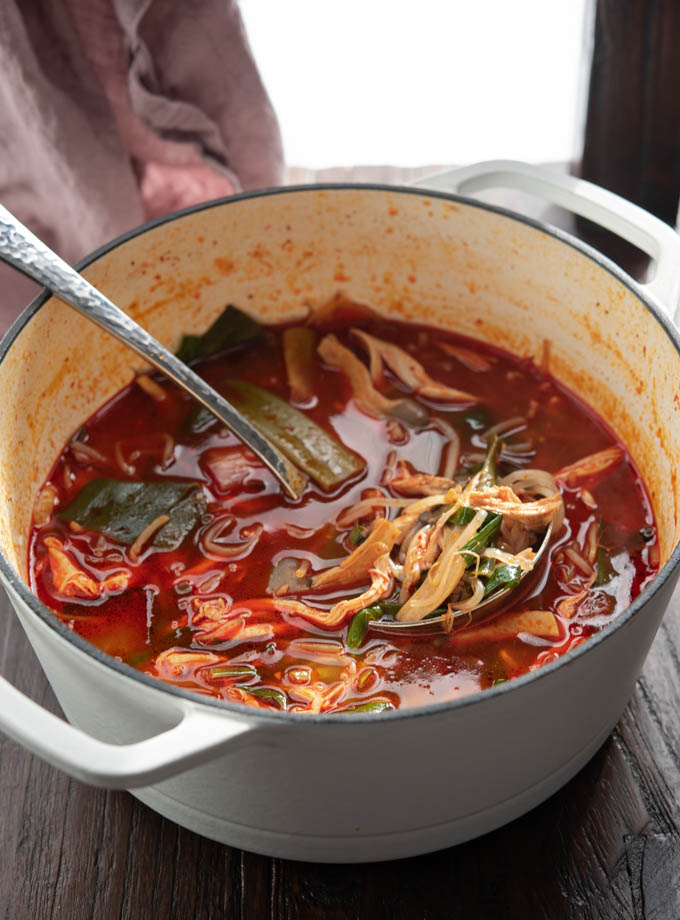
[(12, 578)]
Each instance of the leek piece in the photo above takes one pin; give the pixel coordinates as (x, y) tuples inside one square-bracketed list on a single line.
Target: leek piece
[(306, 444)]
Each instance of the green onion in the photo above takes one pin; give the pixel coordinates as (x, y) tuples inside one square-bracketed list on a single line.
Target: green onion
[(486, 567), (364, 678), (505, 576), (371, 706), (359, 622), (605, 569), (235, 672), (359, 625), (462, 515), (487, 475), (271, 694), (477, 544), (356, 536)]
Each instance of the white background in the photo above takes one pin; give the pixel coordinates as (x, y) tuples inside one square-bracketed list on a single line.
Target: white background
[(362, 82)]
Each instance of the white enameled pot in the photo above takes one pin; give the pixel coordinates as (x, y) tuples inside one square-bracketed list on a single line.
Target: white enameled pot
[(347, 788)]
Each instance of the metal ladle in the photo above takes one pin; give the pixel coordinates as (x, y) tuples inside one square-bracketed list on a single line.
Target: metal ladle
[(25, 252), (446, 623)]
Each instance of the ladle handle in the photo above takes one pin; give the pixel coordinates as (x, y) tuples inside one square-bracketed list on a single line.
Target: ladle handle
[(629, 221), (198, 736), (25, 252)]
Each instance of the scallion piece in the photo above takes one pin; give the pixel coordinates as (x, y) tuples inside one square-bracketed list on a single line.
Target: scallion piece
[(356, 535), (504, 576), (359, 622), (477, 544), (487, 475), (234, 672), (462, 515), (270, 694), (605, 569), (371, 706)]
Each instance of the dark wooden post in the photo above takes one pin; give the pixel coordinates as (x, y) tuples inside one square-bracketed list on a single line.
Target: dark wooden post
[(632, 132)]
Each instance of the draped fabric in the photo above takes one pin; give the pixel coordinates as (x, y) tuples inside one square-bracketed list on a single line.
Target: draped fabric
[(116, 111)]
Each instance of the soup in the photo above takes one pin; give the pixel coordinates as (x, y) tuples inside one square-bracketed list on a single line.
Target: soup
[(438, 466)]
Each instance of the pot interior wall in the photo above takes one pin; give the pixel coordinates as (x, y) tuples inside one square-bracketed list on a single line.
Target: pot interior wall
[(409, 255)]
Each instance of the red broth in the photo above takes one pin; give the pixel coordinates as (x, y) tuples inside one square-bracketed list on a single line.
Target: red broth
[(145, 609)]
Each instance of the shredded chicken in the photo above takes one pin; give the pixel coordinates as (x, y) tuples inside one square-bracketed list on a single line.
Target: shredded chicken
[(181, 662), (367, 398), (367, 505), (502, 500), (568, 606), (408, 370), (381, 586), (443, 576), (590, 466), (215, 620), (406, 483), (415, 560), (72, 581), (354, 569), (318, 697)]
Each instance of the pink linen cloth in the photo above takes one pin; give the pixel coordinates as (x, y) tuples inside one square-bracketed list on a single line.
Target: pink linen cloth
[(113, 112)]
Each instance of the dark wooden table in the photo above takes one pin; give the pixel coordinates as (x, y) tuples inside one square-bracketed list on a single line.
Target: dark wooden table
[(605, 846)]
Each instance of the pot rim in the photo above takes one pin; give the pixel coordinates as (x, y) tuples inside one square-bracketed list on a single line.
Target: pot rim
[(11, 577)]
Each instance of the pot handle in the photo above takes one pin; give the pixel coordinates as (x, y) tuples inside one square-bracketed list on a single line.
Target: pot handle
[(193, 740), (627, 220)]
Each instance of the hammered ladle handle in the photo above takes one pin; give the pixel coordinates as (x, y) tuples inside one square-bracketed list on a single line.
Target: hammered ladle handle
[(25, 252)]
